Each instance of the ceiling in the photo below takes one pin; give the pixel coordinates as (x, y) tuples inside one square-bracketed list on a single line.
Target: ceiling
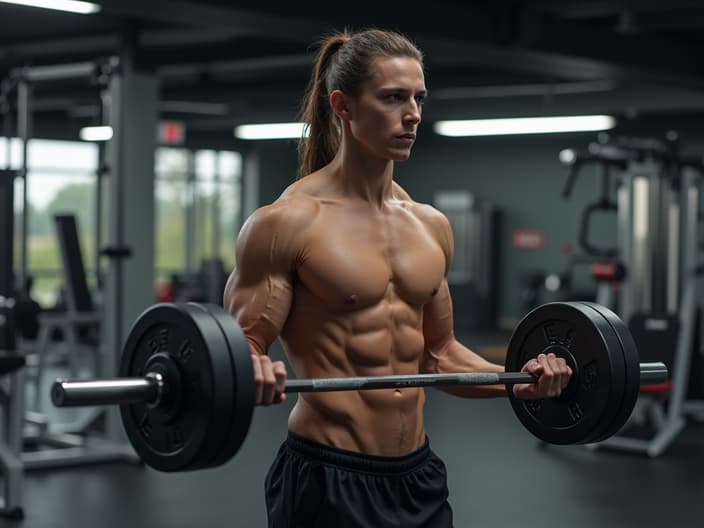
[(223, 62)]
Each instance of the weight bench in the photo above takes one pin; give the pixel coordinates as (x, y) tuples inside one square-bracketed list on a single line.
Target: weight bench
[(80, 314)]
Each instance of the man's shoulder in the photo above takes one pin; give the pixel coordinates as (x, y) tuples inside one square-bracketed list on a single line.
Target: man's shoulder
[(288, 213), (425, 212), (274, 233), (429, 215), (435, 221)]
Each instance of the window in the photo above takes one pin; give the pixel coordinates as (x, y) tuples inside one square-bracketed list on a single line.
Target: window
[(171, 194), (61, 178), (197, 209), (198, 197)]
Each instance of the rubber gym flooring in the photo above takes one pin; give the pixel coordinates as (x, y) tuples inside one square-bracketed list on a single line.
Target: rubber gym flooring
[(499, 476)]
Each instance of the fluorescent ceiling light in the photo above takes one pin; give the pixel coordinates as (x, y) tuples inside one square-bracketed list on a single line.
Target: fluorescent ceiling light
[(524, 125), (72, 6), (96, 133), (272, 131)]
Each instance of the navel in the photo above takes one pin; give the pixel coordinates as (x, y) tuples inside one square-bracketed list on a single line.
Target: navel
[(351, 299), (434, 292)]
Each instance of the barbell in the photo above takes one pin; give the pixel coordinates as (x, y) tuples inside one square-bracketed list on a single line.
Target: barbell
[(186, 384)]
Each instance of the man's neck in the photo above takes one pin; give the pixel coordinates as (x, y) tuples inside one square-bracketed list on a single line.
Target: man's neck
[(362, 176)]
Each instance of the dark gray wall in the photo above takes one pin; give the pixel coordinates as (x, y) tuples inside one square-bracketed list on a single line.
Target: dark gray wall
[(278, 167)]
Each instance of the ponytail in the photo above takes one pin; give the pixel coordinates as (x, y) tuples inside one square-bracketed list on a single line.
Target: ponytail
[(319, 148)]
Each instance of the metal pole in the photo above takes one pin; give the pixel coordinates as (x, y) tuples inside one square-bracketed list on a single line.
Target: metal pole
[(5, 90), (7, 183), (689, 300), (98, 231), (24, 130), (625, 230), (104, 111), (190, 215), (217, 235)]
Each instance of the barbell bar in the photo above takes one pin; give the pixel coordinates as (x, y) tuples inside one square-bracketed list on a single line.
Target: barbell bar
[(150, 389), (186, 383)]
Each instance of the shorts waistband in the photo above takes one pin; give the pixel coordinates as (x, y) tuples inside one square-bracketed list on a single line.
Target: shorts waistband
[(354, 461)]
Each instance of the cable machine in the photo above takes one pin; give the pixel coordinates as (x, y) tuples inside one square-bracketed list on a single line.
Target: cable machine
[(657, 205)]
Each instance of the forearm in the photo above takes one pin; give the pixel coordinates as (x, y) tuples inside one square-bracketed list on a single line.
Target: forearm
[(454, 357)]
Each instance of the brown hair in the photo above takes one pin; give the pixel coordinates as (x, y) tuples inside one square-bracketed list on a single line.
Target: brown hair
[(342, 63)]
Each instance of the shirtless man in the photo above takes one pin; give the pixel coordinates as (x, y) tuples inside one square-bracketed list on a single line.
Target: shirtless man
[(351, 275)]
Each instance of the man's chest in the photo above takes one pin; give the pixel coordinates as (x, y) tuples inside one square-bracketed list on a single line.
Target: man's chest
[(355, 260)]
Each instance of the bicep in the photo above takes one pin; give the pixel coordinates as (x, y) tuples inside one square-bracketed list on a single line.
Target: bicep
[(437, 314), (438, 331), (437, 318), (259, 292), (443, 353), (261, 308)]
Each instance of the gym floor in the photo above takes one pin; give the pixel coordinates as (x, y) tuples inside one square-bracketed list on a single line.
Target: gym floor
[(499, 476)]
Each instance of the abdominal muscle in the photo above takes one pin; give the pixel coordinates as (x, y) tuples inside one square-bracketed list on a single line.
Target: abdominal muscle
[(384, 338)]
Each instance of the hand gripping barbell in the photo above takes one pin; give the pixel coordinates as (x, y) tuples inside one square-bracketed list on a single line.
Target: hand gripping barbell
[(186, 387)]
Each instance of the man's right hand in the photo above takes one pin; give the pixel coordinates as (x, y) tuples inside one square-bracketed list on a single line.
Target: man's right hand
[(269, 380)]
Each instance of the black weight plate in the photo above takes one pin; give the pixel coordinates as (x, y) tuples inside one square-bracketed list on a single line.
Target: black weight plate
[(223, 389), (243, 394), (615, 348), (595, 392), (184, 438), (632, 371)]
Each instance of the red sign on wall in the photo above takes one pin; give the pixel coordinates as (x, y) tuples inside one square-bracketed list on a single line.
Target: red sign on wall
[(171, 133), (528, 239)]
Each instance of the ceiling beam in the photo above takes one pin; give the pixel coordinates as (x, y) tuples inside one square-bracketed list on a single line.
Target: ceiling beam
[(277, 64), (650, 52), (586, 9), (670, 21), (65, 47), (190, 14), (551, 65)]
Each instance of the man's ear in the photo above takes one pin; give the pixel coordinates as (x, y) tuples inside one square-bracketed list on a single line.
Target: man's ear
[(339, 103)]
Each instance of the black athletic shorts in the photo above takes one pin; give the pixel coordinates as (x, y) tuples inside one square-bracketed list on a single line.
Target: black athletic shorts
[(311, 485)]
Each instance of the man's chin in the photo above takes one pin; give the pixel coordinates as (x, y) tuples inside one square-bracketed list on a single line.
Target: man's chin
[(401, 155)]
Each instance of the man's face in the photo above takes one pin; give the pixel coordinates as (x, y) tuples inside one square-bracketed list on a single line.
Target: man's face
[(386, 114)]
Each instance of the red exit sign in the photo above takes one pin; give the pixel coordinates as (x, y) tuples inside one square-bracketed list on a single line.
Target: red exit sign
[(171, 133)]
